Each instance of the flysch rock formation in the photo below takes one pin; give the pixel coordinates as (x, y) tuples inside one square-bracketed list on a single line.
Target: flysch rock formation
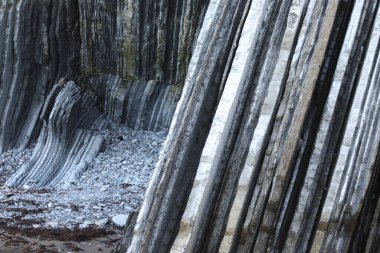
[(39, 45), (69, 140), (135, 53), (274, 146), (131, 55)]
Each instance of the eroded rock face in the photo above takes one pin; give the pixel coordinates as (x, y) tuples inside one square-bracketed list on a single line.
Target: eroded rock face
[(282, 153), (69, 139), (39, 44), (132, 54), (274, 144), (146, 46)]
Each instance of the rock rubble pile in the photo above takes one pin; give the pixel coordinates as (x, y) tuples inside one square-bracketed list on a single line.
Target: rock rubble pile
[(107, 192)]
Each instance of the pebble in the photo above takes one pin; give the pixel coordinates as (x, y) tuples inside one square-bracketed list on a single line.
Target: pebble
[(83, 226), (120, 220), (102, 222), (53, 224)]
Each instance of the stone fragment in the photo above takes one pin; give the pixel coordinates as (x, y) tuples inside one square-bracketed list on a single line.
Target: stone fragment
[(119, 220), (102, 222)]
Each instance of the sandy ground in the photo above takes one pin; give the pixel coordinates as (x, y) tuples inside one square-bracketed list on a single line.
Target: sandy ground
[(15, 242)]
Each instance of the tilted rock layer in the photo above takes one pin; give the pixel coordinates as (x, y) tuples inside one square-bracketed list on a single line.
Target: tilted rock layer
[(69, 139), (131, 55), (273, 146)]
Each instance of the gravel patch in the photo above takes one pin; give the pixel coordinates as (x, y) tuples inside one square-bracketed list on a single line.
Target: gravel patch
[(112, 186), (12, 160)]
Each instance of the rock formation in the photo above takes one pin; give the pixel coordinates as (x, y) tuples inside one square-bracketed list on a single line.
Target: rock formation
[(136, 54), (132, 55), (274, 143), (69, 139), (274, 146), (39, 45)]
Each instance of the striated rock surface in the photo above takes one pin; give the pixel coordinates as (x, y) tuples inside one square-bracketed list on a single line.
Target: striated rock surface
[(274, 143), (146, 47), (69, 139), (39, 44), (274, 146), (131, 55)]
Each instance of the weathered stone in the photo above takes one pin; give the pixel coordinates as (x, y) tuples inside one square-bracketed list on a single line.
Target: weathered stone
[(274, 144), (39, 45), (69, 139), (289, 160), (120, 220), (102, 222)]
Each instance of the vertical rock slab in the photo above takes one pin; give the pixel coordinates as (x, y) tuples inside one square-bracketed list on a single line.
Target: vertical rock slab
[(332, 120), (148, 45), (264, 127), (290, 155), (159, 217), (210, 173), (356, 160), (39, 44)]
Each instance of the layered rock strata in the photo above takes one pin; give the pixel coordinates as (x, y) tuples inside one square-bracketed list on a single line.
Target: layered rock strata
[(146, 46), (274, 145), (132, 55), (275, 142), (39, 45), (70, 139)]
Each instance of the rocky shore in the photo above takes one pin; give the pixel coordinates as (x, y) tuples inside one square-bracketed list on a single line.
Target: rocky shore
[(100, 200)]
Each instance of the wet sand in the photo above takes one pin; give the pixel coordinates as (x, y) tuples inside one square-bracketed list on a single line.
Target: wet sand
[(56, 241)]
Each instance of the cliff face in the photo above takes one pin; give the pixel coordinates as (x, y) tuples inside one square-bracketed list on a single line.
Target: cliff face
[(274, 144), (39, 44), (135, 55), (132, 55)]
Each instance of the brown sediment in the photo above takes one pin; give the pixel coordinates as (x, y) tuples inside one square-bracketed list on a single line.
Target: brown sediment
[(58, 240)]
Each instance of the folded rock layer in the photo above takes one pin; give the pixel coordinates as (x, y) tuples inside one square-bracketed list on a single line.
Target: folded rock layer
[(39, 45), (131, 55), (274, 143), (70, 139)]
